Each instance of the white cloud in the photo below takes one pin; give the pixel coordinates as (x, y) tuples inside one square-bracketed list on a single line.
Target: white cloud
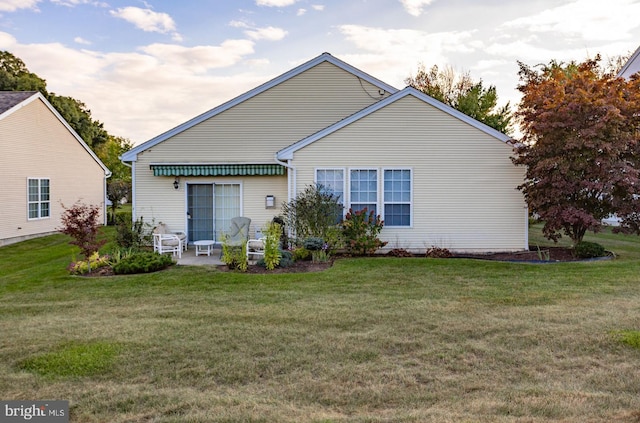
[(146, 19), (393, 54), (13, 5), (81, 40), (73, 3), (301, 12), (585, 19), (318, 7), (275, 3), (139, 95), (269, 33), (415, 7)]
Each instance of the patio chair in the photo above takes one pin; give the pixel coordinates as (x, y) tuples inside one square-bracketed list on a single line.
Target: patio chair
[(165, 241), (238, 233), (255, 247)]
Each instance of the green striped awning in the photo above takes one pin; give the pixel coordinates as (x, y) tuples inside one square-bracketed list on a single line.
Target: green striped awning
[(217, 169)]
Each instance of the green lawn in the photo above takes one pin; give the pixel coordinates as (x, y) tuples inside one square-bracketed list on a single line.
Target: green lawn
[(370, 340)]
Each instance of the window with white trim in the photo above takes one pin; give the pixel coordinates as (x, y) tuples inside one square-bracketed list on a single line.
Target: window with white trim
[(363, 189), (397, 197), (38, 198), (331, 180)]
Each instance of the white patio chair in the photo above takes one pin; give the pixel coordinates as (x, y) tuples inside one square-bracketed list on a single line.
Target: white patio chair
[(165, 241)]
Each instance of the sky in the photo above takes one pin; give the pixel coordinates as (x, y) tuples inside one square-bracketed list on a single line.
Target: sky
[(145, 66)]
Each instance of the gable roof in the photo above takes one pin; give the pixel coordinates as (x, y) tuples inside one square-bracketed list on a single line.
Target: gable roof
[(287, 152), (131, 155), (12, 101), (632, 66)]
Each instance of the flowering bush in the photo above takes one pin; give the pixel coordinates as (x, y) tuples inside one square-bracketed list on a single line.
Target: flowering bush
[(360, 230)]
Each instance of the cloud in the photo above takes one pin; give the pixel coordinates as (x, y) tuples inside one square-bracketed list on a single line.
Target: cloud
[(81, 40), (318, 7), (415, 7), (13, 5), (73, 3), (141, 94), (146, 19), (301, 12), (269, 33), (585, 19), (275, 3)]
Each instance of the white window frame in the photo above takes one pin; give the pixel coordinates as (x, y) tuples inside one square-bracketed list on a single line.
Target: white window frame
[(344, 183), (377, 202), (384, 203), (39, 202)]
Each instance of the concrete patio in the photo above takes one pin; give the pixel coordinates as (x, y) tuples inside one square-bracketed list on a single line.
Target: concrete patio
[(189, 257)]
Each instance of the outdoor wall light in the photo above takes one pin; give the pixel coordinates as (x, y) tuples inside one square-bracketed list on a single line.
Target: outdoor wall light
[(269, 202), (176, 183)]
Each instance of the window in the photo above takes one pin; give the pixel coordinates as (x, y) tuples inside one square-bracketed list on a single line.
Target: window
[(397, 197), (38, 198), (364, 189), (332, 180)]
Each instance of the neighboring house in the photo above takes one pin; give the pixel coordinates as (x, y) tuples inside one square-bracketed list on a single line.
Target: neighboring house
[(436, 176), (632, 66), (44, 165)]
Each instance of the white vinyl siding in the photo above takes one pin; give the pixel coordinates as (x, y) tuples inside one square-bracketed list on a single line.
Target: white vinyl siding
[(38, 198), (35, 144), (464, 194)]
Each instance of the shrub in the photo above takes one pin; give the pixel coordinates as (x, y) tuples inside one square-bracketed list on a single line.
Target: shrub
[(272, 252), (360, 230), (313, 243), (399, 252), (81, 222), (300, 253), (142, 262), (438, 252), (235, 257), (95, 261), (132, 235), (314, 212), (286, 260), (585, 249)]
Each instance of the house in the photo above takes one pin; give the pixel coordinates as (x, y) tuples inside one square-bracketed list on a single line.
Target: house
[(632, 66), (436, 176), (44, 165)]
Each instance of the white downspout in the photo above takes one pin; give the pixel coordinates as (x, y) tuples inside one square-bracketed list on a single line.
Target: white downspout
[(291, 177), (133, 189)]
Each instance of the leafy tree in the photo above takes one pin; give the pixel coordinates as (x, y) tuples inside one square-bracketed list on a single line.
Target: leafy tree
[(464, 94), (14, 75), (580, 146), (79, 118), (82, 222), (110, 151)]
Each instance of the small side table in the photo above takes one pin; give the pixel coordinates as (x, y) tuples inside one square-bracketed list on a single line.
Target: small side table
[(204, 246)]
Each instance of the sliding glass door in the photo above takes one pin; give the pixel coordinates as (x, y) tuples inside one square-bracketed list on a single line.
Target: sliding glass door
[(210, 208)]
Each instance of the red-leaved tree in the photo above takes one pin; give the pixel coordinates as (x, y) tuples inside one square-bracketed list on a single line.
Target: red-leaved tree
[(581, 147), (82, 222)]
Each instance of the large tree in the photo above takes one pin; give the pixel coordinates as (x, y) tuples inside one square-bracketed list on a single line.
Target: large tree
[(461, 92), (580, 146)]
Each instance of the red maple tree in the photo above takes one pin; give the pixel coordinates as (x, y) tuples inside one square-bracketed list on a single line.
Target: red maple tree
[(581, 147)]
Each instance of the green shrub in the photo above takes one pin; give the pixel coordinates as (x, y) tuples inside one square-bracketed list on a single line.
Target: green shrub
[(272, 252), (235, 257), (585, 249), (286, 260), (142, 262), (360, 230), (313, 243), (133, 235), (301, 253)]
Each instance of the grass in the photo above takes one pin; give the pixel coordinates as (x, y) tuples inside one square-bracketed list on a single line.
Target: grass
[(370, 340)]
